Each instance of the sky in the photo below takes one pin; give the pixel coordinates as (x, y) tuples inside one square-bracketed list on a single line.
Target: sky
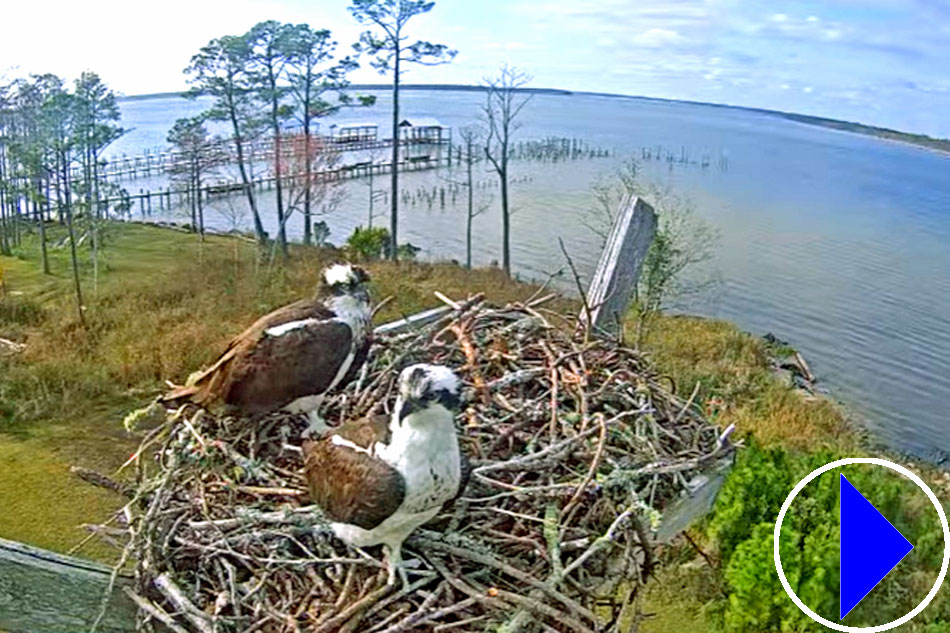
[(881, 62)]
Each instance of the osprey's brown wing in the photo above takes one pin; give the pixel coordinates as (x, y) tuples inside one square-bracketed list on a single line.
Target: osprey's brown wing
[(235, 377), (274, 371), (350, 485), (361, 353)]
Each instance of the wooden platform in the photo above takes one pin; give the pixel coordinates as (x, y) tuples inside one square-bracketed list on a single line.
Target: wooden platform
[(46, 592)]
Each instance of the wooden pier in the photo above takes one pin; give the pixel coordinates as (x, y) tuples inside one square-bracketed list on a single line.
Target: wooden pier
[(146, 202), (157, 163), (129, 168)]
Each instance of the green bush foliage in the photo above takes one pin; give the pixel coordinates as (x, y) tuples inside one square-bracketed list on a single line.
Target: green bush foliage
[(743, 525), (367, 244)]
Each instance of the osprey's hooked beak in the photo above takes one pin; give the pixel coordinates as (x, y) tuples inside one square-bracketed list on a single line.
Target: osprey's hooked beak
[(422, 386)]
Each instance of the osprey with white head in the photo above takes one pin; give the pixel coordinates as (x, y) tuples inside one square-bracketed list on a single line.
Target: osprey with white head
[(379, 479), (290, 358)]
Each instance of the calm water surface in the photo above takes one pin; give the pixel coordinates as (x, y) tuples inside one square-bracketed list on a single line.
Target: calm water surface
[(836, 242)]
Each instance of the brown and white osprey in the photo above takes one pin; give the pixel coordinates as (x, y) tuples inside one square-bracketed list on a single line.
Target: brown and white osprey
[(377, 480), (291, 357)]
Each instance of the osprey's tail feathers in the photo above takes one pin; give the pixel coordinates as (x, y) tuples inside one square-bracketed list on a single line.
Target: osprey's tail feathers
[(180, 395)]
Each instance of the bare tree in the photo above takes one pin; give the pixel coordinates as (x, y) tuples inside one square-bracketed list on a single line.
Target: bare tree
[(608, 191), (307, 160), (389, 47), (503, 104), (471, 155), (220, 70), (198, 154)]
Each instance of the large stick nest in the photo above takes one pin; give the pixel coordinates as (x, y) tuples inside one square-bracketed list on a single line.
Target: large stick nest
[(575, 444)]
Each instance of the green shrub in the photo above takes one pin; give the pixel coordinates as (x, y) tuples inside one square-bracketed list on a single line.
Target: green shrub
[(752, 494), (367, 244), (743, 524)]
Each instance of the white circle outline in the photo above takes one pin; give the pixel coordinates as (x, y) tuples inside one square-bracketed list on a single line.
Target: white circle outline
[(920, 484)]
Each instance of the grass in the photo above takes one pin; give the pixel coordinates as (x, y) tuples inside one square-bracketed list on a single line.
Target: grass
[(164, 307), (736, 385)]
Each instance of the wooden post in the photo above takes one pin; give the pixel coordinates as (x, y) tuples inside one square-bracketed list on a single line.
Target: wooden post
[(45, 591), (617, 273)]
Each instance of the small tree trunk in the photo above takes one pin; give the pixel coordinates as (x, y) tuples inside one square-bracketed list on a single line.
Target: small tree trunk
[(72, 241), (505, 225), (41, 225), (471, 211), (193, 190), (201, 212), (95, 183), (94, 233), (308, 174), (16, 221), (248, 186), (4, 244), (394, 189), (193, 205), (278, 173)]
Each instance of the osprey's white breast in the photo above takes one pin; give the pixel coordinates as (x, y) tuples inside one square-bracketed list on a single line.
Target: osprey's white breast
[(356, 315), (425, 452)]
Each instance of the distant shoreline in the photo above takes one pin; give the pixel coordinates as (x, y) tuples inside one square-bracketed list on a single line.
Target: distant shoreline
[(919, 140)]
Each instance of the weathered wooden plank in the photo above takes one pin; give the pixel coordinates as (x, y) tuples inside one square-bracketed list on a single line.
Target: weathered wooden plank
[(618, 270), (45, 591), (696, 502), (414, 320)]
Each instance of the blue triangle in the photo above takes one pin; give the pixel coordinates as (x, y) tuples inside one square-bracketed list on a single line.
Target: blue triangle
[(870, 546)]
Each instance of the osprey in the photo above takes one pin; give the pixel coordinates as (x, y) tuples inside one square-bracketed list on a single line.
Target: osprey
[(291, 357), (379, 479)]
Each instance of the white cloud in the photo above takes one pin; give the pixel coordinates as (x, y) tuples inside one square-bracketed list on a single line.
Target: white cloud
[(657, 37), (508, 46)]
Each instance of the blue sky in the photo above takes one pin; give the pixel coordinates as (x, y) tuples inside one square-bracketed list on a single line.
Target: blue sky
[(883, 62)]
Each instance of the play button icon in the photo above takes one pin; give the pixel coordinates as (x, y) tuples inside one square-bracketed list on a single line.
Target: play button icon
[(870, 546)]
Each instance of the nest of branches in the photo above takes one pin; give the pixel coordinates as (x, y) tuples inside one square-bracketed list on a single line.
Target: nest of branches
[(576, 445)]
